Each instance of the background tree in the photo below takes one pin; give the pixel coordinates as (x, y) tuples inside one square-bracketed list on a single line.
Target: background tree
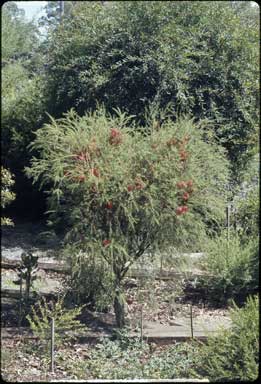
[(122, 193), (201, 56), (22, 101)]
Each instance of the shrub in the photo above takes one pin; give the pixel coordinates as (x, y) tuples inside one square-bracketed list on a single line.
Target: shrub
[(120, 192), (247, 216), (233, 268), (233, 355), (90, 280), (65, 320)]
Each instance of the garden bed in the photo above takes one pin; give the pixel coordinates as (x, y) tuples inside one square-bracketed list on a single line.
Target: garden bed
[(159, 293)]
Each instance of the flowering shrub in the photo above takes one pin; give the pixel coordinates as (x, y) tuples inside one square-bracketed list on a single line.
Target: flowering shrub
[(119, 194)]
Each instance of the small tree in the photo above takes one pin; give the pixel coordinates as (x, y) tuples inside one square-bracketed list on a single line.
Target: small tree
[(121, 192)]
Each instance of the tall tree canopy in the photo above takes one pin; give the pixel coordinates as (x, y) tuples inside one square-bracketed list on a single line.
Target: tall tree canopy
[(201, 56)]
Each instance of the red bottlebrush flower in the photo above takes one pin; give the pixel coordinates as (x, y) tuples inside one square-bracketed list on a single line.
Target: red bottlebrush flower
[(95, 172), (109, 205), (114, 132), (182, 209), (189, 183), (81, 178), (130, 188), (179, 210), (115, 136), (185, 196), (181, 184), (106, 242), (183, 155)]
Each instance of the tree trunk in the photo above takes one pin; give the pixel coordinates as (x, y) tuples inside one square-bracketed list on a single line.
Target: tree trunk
[(119, 308)]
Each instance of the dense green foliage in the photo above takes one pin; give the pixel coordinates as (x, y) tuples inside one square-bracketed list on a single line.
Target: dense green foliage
[(233, 355), (245, 213), (201, 56), (64, 319), (233, 268), (19, 36), (120, 192)]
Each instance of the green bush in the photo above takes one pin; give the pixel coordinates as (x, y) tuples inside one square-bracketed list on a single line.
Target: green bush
[(245, 213), (233, 355), (247, 216), (90, 280), (232, 268), (64, 319)]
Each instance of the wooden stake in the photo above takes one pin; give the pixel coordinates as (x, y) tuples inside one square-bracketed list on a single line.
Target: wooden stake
[(52, 345), (141, 323), (191, 321), (20, 304)]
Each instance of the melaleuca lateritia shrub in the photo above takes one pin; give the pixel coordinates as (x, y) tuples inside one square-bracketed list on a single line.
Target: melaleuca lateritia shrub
[(119, 192)]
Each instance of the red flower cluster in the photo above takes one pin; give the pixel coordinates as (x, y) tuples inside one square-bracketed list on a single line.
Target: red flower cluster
[(81, 178), (183, 155), (95, 172), (109, 205), (106, 242), (130, 187), (184, 184), (138, 185), (182, 209), (115, 137), (185, 196)]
